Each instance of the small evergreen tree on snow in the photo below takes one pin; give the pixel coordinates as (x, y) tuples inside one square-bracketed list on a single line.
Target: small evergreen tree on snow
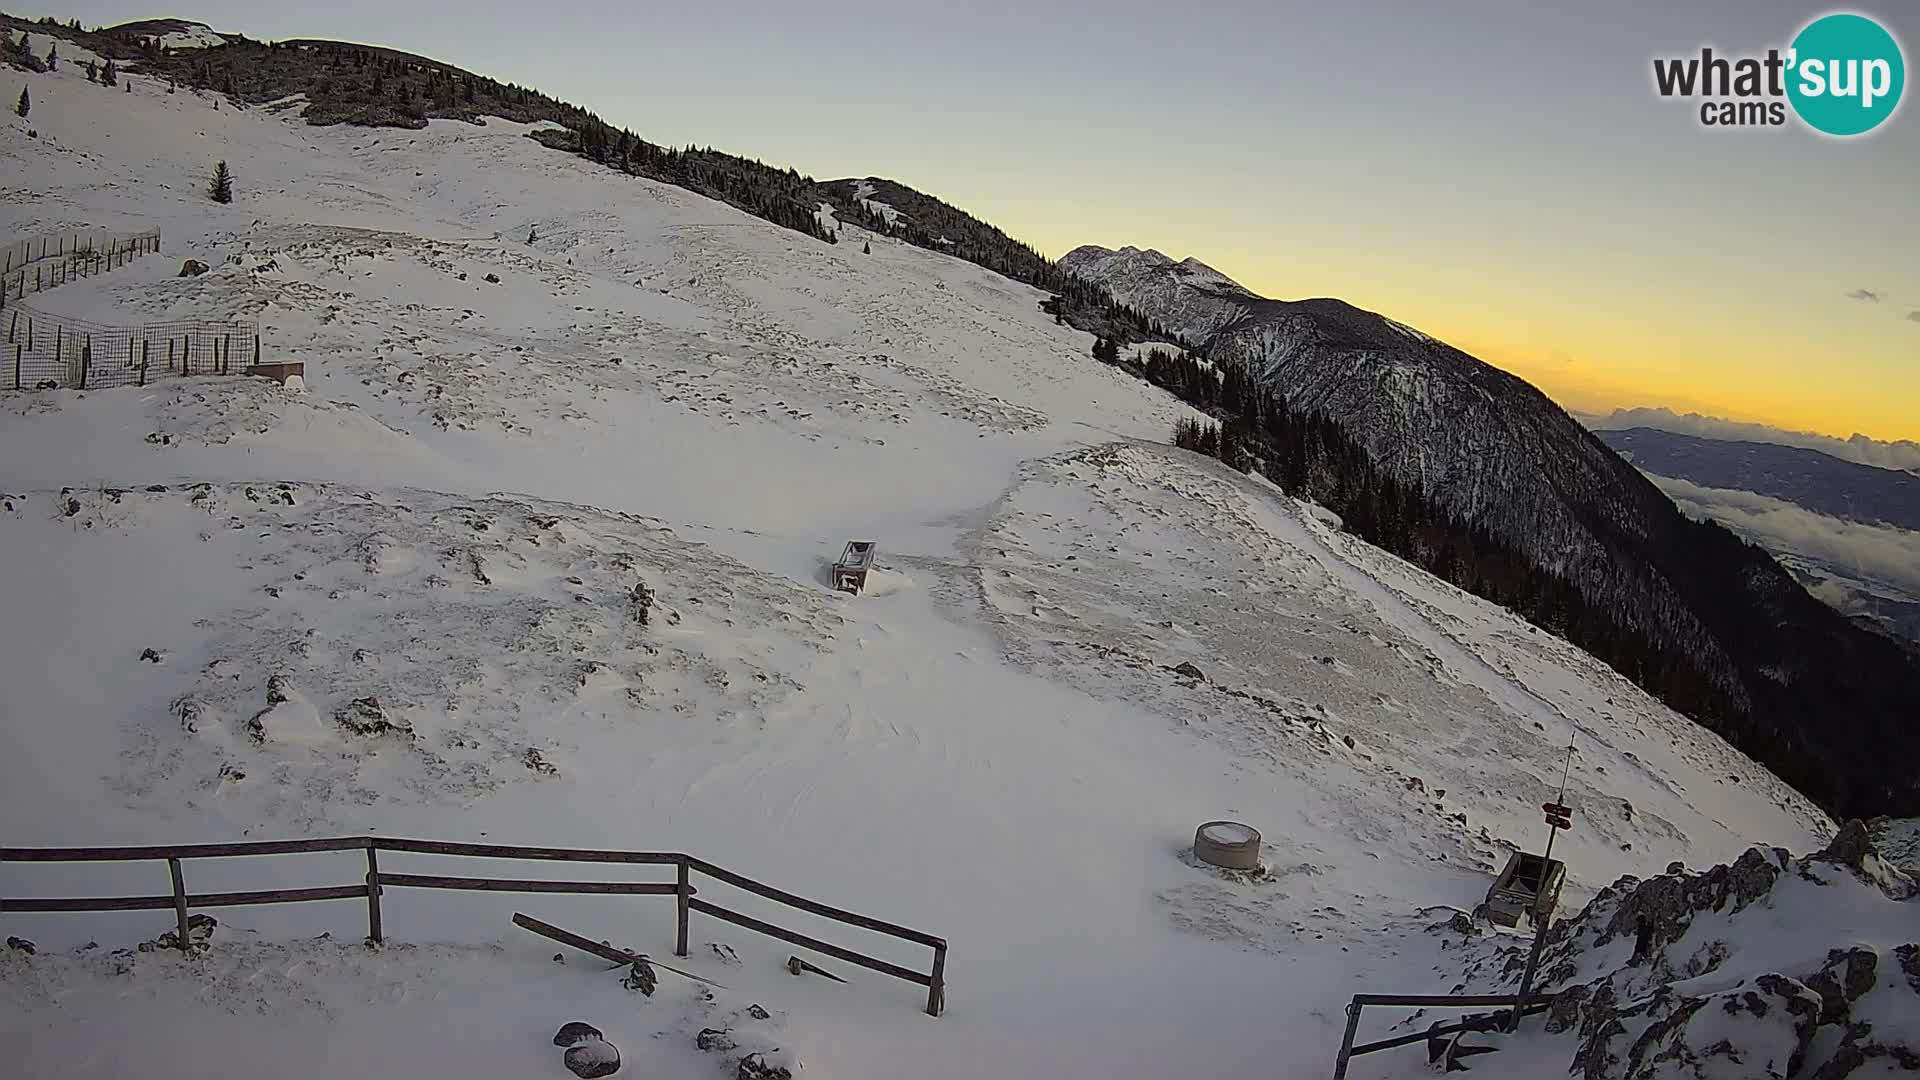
[(221, 189), (866, 248), (25, 104), (53, 57), (93, 73), (109, 75)]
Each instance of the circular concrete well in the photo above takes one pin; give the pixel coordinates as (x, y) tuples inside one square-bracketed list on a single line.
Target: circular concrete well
[(1228, 844)]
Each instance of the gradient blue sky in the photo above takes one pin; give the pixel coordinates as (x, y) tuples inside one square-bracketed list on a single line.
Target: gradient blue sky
[(1500, 174)]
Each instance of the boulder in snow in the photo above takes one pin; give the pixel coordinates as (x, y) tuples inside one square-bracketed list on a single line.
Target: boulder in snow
[(589, 1058), (574, 1031), (193, 268)]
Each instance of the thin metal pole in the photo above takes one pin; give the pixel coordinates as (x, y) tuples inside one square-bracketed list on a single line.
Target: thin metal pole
[(179, 900), (1541, 917), (1346, 1043), (373, 894)]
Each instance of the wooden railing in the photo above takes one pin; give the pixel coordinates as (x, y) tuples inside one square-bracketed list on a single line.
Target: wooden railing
[(376, 881)]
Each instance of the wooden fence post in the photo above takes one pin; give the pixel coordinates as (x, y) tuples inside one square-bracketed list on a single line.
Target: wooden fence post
[(373, 893), (685, 893), (59, 336), (16, 365), (86, 360), (937, 990), (226, 353), (256, 350), (179, 900)]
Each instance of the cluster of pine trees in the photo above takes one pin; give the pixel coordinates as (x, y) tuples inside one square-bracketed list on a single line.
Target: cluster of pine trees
[(782, 196), (930, 223)]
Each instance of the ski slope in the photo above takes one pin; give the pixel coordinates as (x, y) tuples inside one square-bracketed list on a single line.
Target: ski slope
[(990, 747)]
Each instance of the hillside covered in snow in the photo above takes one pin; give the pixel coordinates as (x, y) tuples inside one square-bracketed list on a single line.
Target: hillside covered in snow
[(406, 600), (1478, 476)]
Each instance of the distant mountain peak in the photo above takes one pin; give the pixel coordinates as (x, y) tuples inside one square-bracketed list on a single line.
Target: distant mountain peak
[(1148, 270)]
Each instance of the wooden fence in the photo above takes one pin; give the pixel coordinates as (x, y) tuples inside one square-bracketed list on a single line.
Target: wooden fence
[(44, 262), (55, 351), (376, 881)]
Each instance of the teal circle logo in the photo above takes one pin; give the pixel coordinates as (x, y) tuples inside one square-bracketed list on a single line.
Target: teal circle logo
[(1845, 74)]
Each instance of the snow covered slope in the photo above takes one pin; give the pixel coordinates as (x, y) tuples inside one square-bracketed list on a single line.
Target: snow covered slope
[(401, 602), (1719, 629)]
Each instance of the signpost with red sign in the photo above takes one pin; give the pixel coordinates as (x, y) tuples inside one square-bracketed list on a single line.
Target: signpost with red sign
[(1559, 816)]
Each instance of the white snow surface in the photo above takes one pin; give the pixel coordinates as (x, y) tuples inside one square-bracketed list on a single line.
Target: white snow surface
[(192, 36), (988, 745)]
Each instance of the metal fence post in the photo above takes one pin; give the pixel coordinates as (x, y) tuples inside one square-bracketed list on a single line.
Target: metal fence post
[(1346, 1043), (373, 893), (179, 900), (684, 893)]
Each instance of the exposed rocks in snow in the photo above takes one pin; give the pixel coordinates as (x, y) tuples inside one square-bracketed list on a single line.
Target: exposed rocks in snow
[(200, 927), (492, 279), (366, 716), (1723, 981), (193, 268), (150, 655), (590, 1058), (640, 977), (756, 1067), (532, 760), (574, 1031), (1189, 670), (20, 945)]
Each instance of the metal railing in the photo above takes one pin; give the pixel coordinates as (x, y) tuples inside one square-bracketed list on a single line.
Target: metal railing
[(682, 888), (1348, 1050)]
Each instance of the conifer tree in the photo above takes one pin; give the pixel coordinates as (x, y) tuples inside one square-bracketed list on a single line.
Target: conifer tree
[(109, 74), (221, 189), (53, 57), (25, 104), (865, 249)]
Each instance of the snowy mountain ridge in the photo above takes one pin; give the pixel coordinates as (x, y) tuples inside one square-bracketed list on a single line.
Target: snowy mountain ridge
[(1676, 602)]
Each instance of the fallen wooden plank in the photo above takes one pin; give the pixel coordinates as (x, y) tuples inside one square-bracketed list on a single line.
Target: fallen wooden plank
[(605, 952)]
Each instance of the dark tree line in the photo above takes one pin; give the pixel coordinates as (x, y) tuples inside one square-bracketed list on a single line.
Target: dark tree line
[(930, 223)]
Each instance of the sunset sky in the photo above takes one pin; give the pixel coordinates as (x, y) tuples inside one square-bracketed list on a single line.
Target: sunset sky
[(1499, 174)]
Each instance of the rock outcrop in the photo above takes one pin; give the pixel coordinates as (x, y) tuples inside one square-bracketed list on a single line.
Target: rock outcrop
[(1735, 971)]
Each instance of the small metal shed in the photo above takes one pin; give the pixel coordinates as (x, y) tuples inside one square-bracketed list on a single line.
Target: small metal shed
[(1529, 888), (850, 573)]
